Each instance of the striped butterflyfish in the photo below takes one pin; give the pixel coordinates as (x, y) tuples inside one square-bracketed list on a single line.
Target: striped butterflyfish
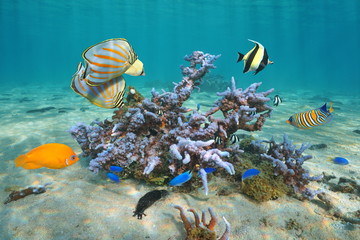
[(106, 95), (109, 59), (256, 59), (312, 118)]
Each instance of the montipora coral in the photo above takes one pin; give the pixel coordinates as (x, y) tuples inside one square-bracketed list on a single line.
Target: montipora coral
[(162, 132)]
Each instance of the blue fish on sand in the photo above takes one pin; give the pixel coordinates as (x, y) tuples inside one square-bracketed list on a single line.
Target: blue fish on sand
[(249, 173), (113, 177), (116, 169), (181, 179), (341, 161)]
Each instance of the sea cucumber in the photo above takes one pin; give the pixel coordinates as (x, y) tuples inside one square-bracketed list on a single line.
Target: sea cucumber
[(147, 200)]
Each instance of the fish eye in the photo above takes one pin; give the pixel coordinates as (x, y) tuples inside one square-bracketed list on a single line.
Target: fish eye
[(73, 157)]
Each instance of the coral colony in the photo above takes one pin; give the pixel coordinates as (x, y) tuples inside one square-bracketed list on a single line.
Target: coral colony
[(159, 136)]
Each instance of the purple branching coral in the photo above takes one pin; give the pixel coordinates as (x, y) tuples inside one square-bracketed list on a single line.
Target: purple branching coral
[(288, 161), (161, 132)]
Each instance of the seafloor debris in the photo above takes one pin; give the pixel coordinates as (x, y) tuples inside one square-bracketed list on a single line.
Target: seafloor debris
[(164, 138), (16, 195), (147, 200), (202, 230)]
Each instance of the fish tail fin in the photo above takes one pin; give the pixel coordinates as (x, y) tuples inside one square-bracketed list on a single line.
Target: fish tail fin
[(331, 108), (20, 160), (241, 57), (23, 161)]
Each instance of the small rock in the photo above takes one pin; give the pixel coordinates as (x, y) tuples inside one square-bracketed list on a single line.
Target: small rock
[(318, 146)]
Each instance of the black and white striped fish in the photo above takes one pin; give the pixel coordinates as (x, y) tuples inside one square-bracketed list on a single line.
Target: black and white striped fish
[(277, 100), (256, 59), (234, 139)]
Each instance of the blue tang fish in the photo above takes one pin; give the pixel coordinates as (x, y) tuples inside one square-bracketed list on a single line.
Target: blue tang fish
[(180, 179), (341, 161), (249, 173), (113, 177), (116, 169)]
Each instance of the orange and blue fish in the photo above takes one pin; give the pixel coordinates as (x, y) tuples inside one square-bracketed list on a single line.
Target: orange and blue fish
[(106, 95), (50, 155), (311, 118), (110, 59)]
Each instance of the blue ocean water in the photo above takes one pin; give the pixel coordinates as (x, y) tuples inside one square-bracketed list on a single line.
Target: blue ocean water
[(314, 44)]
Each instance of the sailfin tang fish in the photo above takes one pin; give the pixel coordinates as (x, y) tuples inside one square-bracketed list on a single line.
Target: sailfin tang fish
[(181, 179), (106, 95), (311, 118), (256, 59), (50, 155), (108, 59)]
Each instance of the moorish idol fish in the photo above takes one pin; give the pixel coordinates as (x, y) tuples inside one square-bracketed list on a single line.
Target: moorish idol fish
[(110, 59), (256, 59), (106, 95), (50, 155), (311, 118), (277, 100)]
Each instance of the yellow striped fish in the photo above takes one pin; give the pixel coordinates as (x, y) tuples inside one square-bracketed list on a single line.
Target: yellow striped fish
[(312, 118), (109, 59), (106, 95), (256, 59)]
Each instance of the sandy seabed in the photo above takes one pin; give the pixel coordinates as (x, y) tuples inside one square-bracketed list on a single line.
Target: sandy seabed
[(81, 205)]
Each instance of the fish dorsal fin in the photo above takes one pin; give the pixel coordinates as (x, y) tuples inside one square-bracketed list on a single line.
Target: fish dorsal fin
[(257, 43), (323, 108)]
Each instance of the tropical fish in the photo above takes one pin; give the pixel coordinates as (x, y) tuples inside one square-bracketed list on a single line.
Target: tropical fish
[(50, 155), (249, 173), (312, 118), (181, 179), (113, 177), (256, 59), (340, 161), (116, 169), (208, 170), (198, 107), (137, 69), (108, 59), (107, 95), (234, 139), (218, 140), (147, 200), (277, 100)]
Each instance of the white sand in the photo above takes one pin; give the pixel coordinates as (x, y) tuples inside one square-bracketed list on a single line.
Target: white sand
[(81, 205)]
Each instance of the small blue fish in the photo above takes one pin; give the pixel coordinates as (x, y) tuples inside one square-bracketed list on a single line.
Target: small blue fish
[(341, 161), (116, 169), (208, 170), (198, 107), (113, 177), (180, 179), (249, 173)]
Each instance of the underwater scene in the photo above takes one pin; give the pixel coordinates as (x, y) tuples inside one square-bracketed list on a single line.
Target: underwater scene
[(180, 119)]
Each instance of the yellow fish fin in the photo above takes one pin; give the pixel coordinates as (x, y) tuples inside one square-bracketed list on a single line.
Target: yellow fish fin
[(331, 108), (23, 161)]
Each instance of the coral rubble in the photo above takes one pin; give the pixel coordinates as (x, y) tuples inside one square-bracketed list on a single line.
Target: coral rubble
[(159, 133)]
